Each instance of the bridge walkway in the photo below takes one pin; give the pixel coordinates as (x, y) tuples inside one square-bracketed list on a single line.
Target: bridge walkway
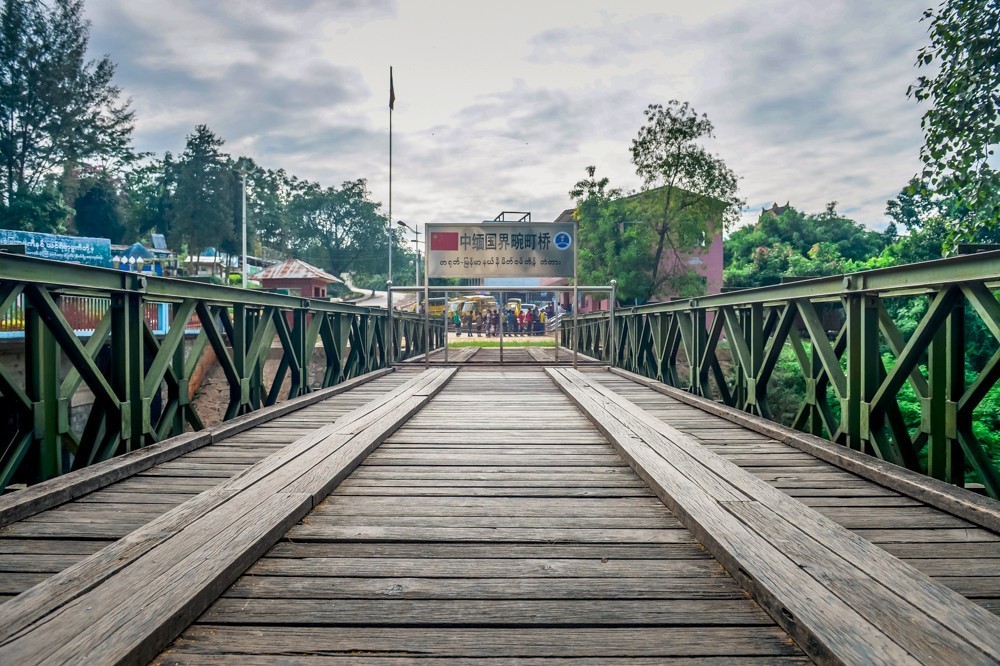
[(538, 514), (955, 552), (49, 541), (496, 523)]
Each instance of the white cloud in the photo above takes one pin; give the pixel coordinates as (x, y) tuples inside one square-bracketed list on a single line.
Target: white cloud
[(502, 105)]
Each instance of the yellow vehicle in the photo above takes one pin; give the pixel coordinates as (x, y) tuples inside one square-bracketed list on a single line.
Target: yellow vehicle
[(515, 305), (455, 305), (436, 306), (474, 304)]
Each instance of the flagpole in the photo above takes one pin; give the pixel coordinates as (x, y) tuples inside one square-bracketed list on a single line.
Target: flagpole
[(391, 100)]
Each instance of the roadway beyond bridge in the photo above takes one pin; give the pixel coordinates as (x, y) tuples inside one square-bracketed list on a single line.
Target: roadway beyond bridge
[(488, 513)]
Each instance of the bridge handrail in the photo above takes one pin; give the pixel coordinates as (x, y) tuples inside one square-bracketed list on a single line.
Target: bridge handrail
[(838, 329), (139, 350)]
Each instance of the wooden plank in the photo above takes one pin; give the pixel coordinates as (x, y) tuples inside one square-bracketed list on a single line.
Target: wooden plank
[(37, 562), (18, 582), (484, 459), (506, 507), (71, 583), (883, 537), (442, 567), (950, 566), (169, 584), (466, 534), (768, 521), (487, 491), (914, 551), (499, 521), (920, 615), (958, 501), (54, 547), (447, 549), (447, 471), (536, 556), (478, 643), (508, 612), (48, 494), (919, 517), (198, 659), (555, 478), (165, 592), (355, 587)]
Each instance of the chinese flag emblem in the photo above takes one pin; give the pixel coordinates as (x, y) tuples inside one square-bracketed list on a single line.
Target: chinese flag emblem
[(444, 240)]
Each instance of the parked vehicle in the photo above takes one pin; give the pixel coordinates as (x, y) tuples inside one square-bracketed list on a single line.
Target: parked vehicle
[(477, 303), (455, 305)]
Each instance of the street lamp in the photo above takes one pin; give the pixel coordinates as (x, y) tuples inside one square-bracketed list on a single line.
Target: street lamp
[(416, 248), (243, 172)]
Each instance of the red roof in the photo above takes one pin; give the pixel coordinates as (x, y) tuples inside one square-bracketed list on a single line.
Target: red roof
[(296, 269)]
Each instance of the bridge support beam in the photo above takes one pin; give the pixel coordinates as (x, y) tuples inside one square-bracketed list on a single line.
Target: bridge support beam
[(42, 388)]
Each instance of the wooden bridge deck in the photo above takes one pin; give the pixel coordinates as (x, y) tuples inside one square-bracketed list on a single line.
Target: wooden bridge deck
[(499, 513), (34, 548), (953, 551)]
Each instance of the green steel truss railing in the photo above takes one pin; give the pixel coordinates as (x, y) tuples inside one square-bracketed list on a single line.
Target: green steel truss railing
[(139, 374), (853, 357)]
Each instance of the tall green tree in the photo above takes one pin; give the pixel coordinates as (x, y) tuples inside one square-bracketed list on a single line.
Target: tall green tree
[(642, 239), (201, 208), (690, 193), (962, 124), (612, 244), (149, 187), (269, 194), (99, 207), (56, 107), (43, 210), (341, 230)]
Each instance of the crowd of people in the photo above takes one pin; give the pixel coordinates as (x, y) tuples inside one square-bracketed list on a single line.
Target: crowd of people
[(530, 321)]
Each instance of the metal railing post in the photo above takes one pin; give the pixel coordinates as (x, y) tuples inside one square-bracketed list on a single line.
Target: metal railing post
[(390, 328), (613, 345)]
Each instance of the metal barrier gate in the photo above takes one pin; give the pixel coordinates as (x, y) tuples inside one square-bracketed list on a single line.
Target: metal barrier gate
[(426, 290)]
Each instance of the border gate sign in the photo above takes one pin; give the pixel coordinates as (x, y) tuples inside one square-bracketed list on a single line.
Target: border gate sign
[(489, 250)]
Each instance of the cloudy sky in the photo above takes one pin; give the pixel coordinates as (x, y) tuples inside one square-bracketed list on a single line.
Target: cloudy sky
[(502, 105)]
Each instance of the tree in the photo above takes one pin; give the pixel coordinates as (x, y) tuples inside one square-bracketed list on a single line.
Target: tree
[(793, 243), (690, 193), (43, 210), (55, 106), (340, 230), (269, 194), (611, 244), (962, 126), (201, 208), (150, 187), (98, 207)]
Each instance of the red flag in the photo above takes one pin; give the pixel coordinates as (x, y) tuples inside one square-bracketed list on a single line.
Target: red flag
[(444, 240), (392, 91)]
